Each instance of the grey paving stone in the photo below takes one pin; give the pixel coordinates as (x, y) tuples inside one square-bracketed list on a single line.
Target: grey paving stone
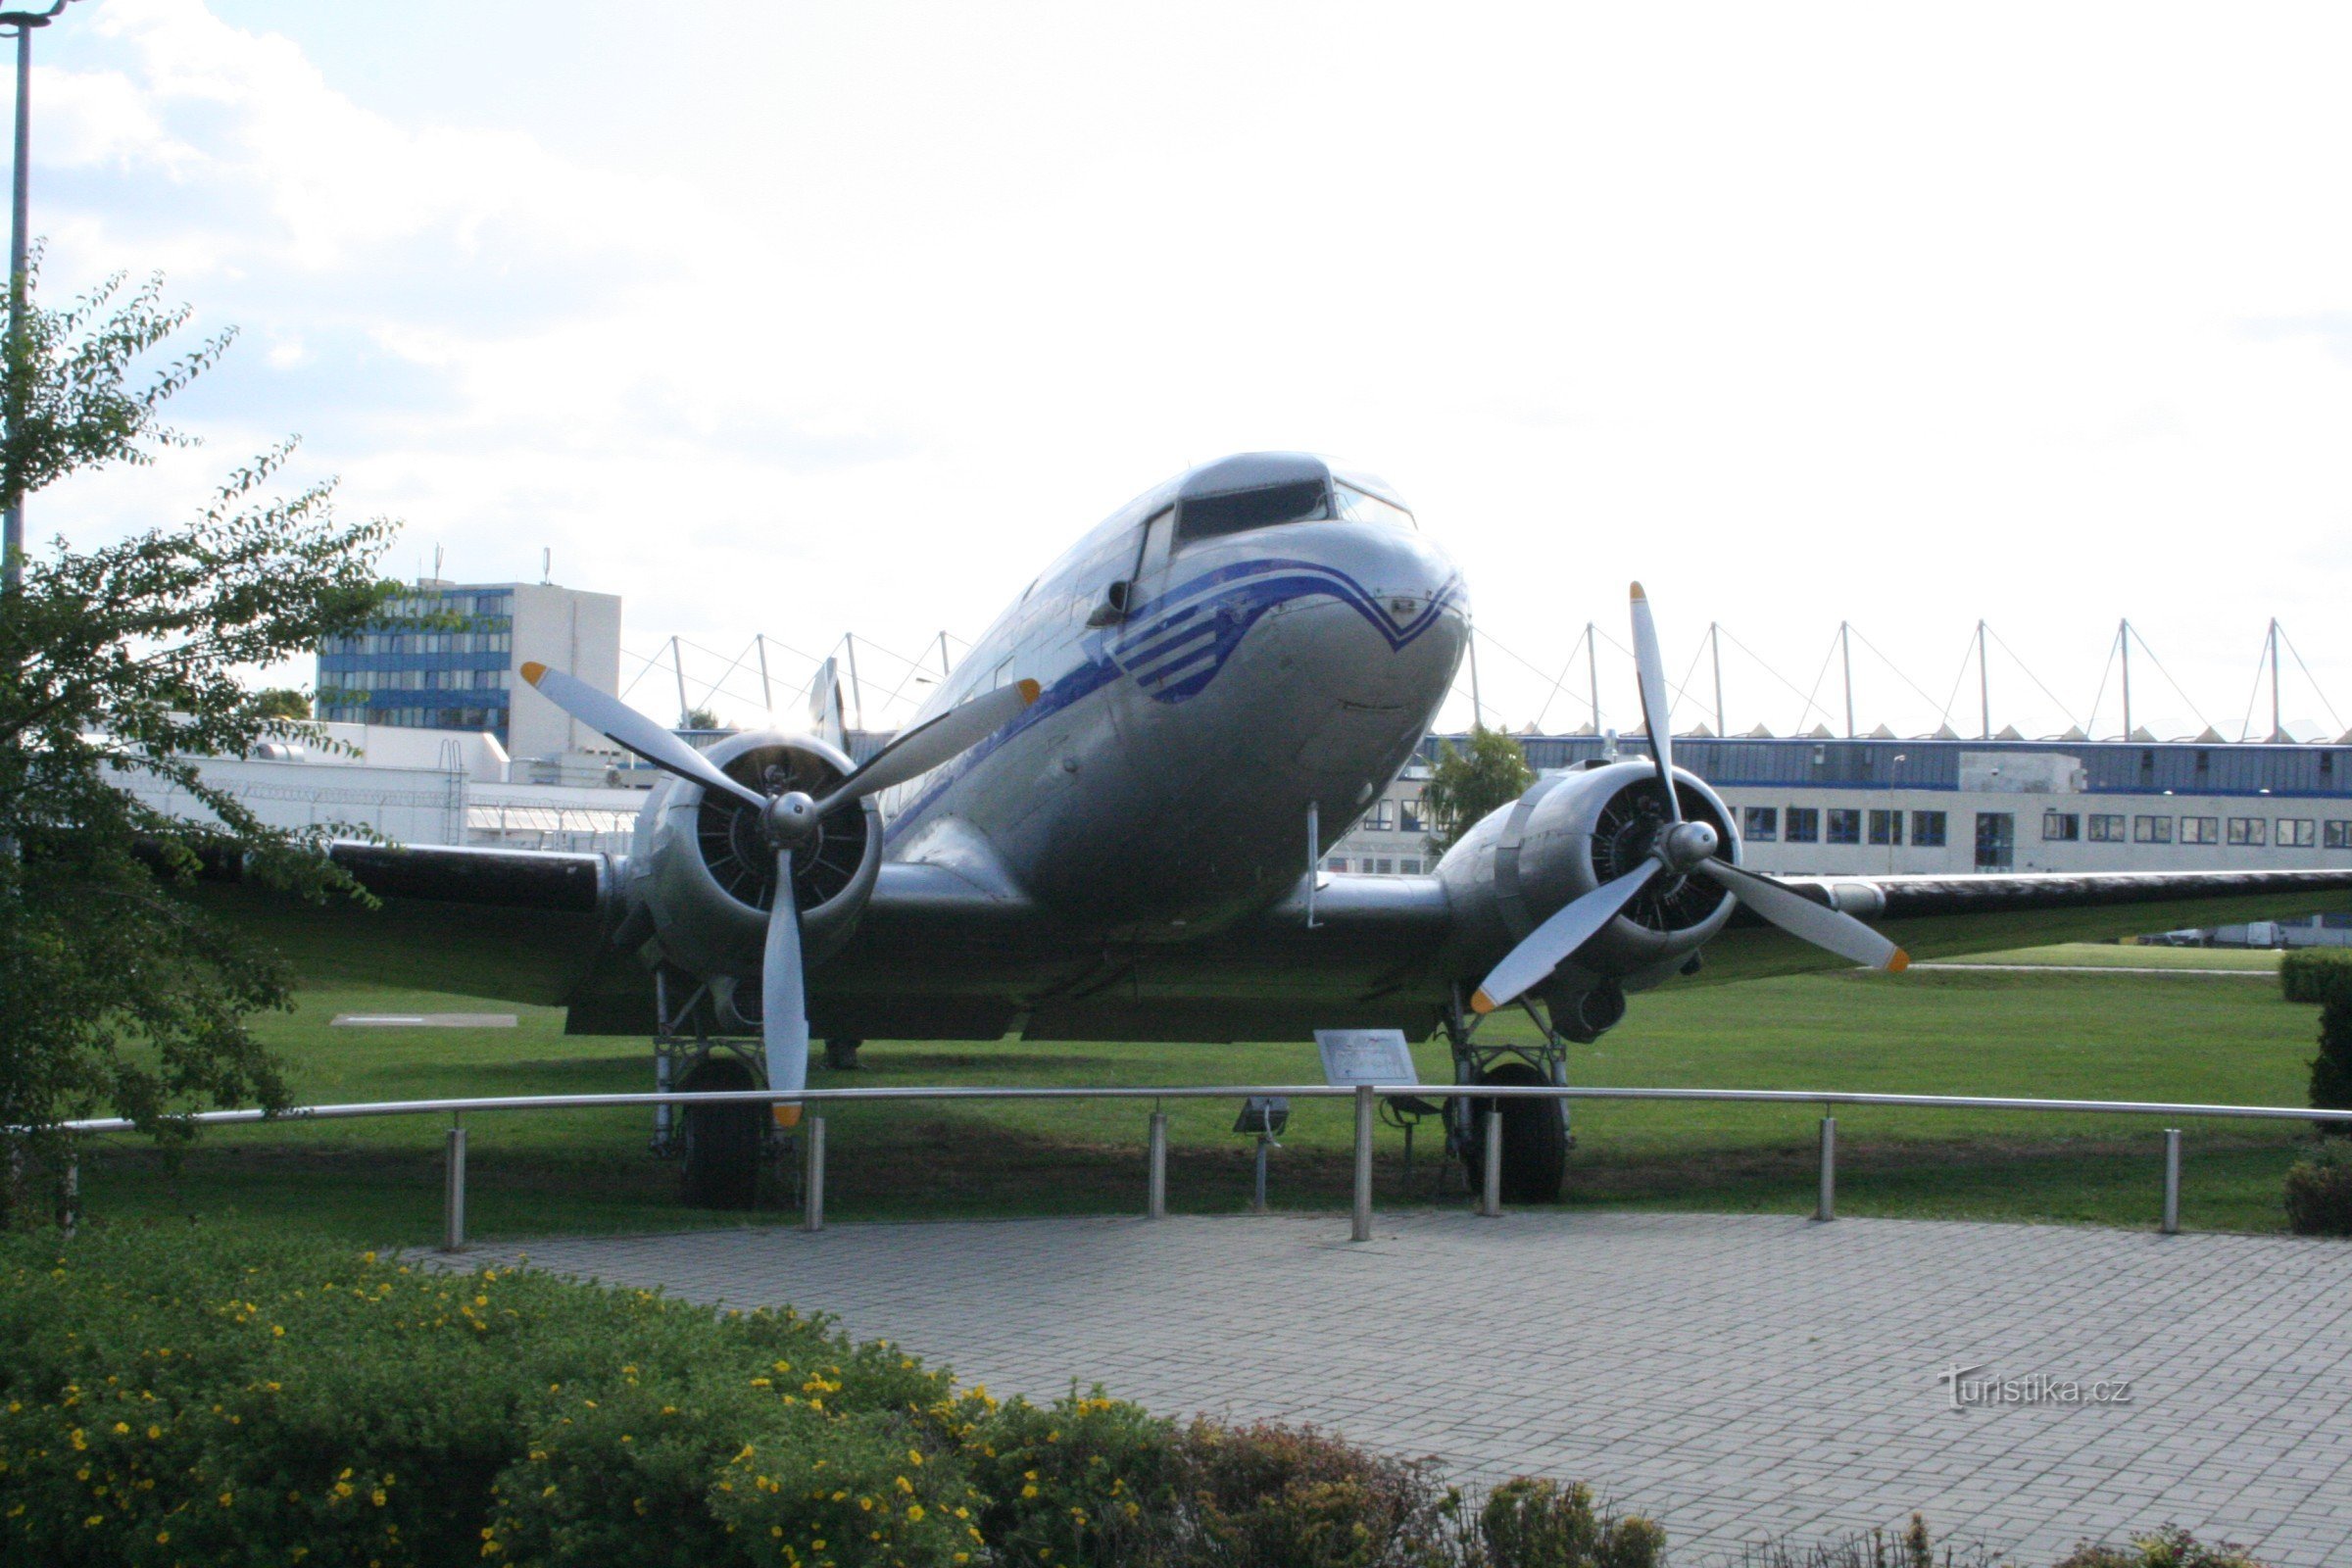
[(1733, 1374)]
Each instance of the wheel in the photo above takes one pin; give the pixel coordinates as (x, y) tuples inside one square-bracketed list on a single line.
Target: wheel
[(722, 1143), (1535, 1142), (842, 1054)]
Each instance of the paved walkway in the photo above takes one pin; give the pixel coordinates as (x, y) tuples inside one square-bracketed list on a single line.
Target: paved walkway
[(1732, 1376)]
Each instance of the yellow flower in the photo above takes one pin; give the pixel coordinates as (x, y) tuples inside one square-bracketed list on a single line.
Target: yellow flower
[(915, 1513), (1028, 1492), (122, 1427), (278, 1331), (229, 1500)]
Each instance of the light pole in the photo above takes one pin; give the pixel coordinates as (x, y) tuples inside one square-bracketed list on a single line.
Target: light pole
[(12, 522)]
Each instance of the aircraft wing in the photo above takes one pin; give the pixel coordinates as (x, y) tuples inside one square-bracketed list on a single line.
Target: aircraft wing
[(1938, 917), (511, 925)]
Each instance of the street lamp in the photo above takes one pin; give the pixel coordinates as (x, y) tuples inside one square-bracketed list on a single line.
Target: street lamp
[(12, 522)]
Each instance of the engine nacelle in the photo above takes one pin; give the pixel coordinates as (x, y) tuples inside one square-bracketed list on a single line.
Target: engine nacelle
[(701, 869), (1559, 841)]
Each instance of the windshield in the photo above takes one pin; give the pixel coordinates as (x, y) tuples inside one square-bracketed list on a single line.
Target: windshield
[(1237, 510), (1357, 505)]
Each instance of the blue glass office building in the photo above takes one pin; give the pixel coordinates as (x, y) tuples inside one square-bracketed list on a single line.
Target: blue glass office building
[(442, 657)]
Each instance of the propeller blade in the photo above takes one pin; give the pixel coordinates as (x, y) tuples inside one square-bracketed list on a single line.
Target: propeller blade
[(1841, 933), (1656, 717), (783, 1000), (619, 722), (1543, 949), (940, 740)]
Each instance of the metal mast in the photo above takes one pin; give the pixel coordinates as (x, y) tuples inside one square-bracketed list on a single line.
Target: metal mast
[(1715, 644), (1845, 647), (2123, 639), (1592, 674), (1984, 685)]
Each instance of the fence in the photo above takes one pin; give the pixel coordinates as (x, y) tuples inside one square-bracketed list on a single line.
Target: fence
[(1366, 1098)]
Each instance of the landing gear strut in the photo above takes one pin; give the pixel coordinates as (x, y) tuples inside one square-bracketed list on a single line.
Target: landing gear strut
[(720, 1149), (1534, 1132)]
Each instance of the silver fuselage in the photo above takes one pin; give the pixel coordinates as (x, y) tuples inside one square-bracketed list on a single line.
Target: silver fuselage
[(1159, 787)]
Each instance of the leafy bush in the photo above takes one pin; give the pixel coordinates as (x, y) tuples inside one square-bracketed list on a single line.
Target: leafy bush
[(1277, 1496), (2170, 1548), (2319, 1191), (1542, 1524), (2325, 977), (2316, 976)]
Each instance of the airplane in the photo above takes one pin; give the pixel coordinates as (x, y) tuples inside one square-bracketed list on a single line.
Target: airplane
[(1105, 825)]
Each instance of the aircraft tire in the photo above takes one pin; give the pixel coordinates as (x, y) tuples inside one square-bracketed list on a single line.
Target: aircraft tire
[(1535, 1144), (722, 1143)]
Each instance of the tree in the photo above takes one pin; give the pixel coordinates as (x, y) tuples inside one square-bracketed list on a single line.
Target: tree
[(119, 991), (283, 702), (699, 719), (1466, 785)]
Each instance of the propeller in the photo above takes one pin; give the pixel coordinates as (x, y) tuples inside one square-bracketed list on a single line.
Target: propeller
[(791, 819), (1681, 848)]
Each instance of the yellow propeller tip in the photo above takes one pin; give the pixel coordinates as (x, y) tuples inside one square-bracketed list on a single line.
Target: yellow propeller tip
[(1638, 592), (532, 669), (1029, 690), (1480, 1002), (1900, 963), (787, 1116)]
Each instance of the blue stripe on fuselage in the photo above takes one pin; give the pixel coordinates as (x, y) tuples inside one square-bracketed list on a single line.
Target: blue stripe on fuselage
[(1229, 600)]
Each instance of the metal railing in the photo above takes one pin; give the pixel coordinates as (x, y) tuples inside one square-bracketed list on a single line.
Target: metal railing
[(1365, 1098)]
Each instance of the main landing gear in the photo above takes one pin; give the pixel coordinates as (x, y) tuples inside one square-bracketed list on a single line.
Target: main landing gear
[(723, 1150), (1535, 1137)]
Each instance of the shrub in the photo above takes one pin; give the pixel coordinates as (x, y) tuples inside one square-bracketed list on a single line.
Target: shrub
[(200, 1396), (2325, 977), (1542, 1524), (2170, 1548), (2316, 976), (1082, 1481), (1279, 1497), (2319, 1191)]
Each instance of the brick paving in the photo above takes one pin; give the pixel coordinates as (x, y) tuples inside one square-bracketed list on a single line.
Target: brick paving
[(1732, 1376)]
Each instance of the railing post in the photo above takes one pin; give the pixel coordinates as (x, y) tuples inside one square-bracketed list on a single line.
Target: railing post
[(2172, 1181), (1490, 1202), (1361, 1228), (68, 1214), (1156, 1196), (813, 1181), (1257, 1191), (453, 1196), (1826, 1209)]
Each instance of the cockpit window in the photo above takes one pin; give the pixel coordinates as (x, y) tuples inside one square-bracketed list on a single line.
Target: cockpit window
[(1238, 511), (1357, 505)]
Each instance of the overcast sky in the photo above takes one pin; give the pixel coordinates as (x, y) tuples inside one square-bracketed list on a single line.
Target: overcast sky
[(806, 319)]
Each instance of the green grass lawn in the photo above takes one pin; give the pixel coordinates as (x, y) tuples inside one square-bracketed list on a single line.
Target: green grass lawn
[(2117, 955), (2054, 1034)]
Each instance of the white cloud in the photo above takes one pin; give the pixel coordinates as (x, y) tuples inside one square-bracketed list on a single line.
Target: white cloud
[(853, 316)]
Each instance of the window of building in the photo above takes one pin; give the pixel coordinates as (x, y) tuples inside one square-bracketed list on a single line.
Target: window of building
[(2340, 834), (1761, 824), (1384, 868), (1383, 817), (1996, 841), (2201, 830), (1846, 825), (1926, 830), (2151, 830), (1409, 817), (1804, 824), (1886, 827), (1409, 867), (1337, 863), (2296, 833), (2061, 827), (2248, 832), (2106, 828)]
